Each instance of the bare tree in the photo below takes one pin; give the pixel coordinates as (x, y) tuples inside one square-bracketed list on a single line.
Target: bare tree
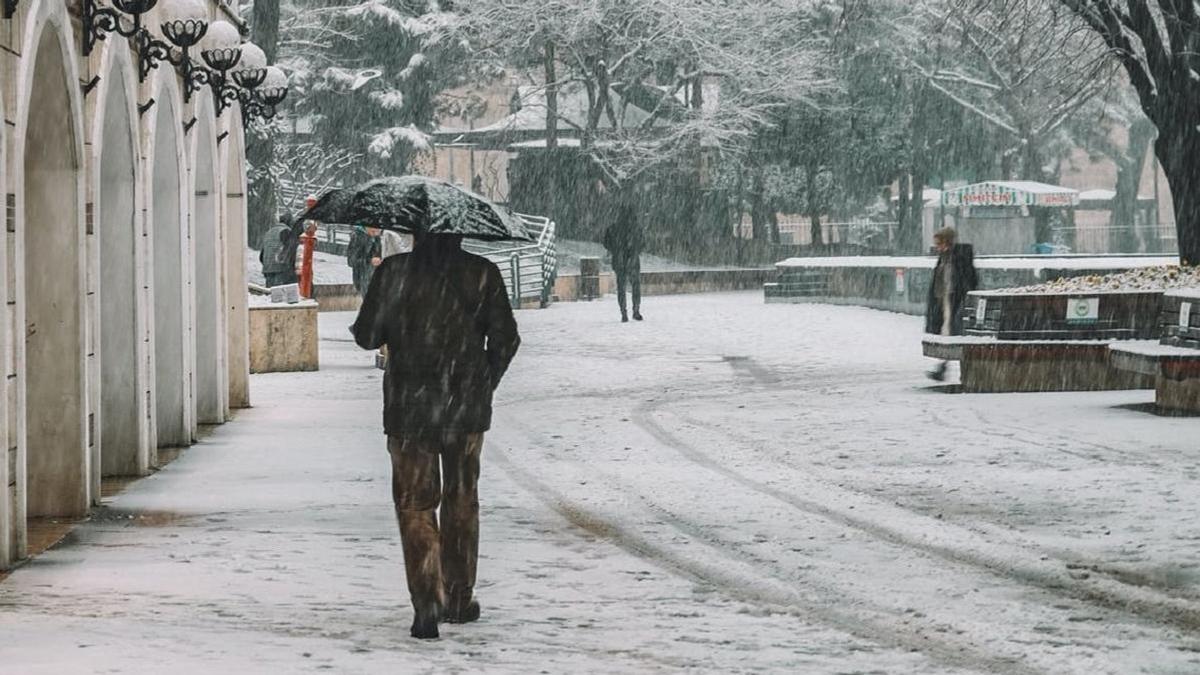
[(1028, 68), (707, 71), (1156, 41)]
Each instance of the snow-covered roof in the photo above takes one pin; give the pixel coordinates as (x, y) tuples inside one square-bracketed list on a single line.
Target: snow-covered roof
[(1011, 193), (529, 122), (541, 143), (930, 195), (1097, 195)]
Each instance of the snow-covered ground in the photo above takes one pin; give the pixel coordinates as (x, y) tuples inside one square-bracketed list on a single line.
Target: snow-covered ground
[(727, 487), (571, 250)]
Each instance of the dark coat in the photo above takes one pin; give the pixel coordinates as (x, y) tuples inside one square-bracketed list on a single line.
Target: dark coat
[(445, 317), (623, 238), (362, 248), (271, 256), (966, 279)]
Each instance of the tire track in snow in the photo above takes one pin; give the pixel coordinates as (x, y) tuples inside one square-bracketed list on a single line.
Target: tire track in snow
[(952, 543), (741, 581), (1071, 560)]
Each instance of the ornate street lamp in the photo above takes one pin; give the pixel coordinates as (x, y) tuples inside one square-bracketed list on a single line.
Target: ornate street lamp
[(222, 51), (252, 69), (184, 24), (261, 102), (99, 21)]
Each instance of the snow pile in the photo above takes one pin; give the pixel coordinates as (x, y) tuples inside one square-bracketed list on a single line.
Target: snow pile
[(1162, 278), (384, 143)]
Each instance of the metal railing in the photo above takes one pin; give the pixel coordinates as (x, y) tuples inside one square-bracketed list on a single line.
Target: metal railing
[(529, 269)]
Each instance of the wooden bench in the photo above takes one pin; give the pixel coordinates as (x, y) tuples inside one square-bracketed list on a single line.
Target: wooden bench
[(1173, 361)]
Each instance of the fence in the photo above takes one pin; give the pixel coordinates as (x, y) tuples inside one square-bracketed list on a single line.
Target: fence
[(1159, 238), (795, 231), (529, 269)]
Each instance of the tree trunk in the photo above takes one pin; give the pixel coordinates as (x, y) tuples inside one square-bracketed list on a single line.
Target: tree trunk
[(758, 216), (814, 211), (262, 208), (552, 181), (1031, 169), (1178, 150), (548, 61), (1124, 233), (903, 213), (916, 215)]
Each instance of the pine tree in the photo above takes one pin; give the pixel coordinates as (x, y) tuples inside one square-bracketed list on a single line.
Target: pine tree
[(366, 77)]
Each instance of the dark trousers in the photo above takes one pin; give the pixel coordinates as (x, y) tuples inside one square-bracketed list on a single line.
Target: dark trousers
[(629, 276), (280, 278), (439, 562)]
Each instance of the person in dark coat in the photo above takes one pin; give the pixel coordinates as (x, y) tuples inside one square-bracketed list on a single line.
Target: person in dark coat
[(623, 240), (275, 267), (445, 317), (289, 242), (363, 255), (954, 277)]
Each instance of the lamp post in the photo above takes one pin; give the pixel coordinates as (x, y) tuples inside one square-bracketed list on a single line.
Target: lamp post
[(184, 25), (261, 102), (222, 51), (99, 21)]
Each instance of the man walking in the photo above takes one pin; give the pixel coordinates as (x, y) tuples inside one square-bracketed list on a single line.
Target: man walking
[(445, 317), (954, 277), (623, 239)]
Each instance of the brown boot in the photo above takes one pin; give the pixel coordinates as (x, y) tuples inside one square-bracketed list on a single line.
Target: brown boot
[(425, 624), (461, 613)]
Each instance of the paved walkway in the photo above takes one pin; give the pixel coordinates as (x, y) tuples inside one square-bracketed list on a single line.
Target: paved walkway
[(727, 487)]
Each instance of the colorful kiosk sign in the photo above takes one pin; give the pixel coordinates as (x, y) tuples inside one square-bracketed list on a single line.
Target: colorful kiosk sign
[(1011, 193)]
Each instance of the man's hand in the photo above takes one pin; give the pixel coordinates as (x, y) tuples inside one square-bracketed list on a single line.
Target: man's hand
[(376, 262)]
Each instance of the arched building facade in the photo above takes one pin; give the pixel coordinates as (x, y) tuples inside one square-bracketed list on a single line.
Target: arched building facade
[(122, 265)]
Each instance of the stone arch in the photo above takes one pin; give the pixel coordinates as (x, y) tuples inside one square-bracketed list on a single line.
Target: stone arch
[(8, 525), (169, 263), (52, 406), (235, 221), (123, 441), (208, 282)]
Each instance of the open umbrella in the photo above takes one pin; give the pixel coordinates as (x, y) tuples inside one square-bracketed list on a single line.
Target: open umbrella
[(419, 204)]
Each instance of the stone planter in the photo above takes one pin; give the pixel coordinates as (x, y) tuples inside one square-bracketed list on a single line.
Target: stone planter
[(1097, 315), (283, 337)]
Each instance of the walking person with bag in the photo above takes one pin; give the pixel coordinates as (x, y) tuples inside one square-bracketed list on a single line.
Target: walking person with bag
[(445, 317), (954, 277)]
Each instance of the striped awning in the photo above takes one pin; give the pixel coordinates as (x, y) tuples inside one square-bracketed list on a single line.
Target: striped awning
[(1011, 193)]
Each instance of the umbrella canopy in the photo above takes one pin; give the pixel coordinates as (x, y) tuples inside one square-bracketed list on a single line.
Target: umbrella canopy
[(418, 204)]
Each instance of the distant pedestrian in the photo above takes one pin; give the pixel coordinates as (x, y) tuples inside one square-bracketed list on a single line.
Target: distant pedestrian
[(276, 267), (954, 277), (363, 255), (445, 317), (624, 240)]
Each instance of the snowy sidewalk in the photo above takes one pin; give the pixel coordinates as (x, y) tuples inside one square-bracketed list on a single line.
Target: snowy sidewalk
[(728, 487)]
